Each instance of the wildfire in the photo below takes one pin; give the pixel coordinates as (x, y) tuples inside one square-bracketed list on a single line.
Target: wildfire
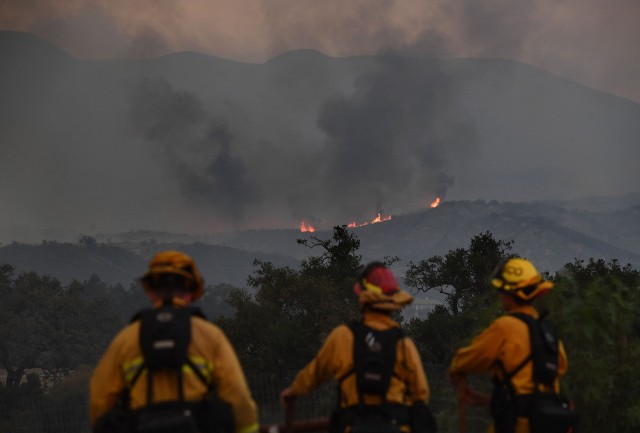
[(435, 203), (304, 228), (378, 219)]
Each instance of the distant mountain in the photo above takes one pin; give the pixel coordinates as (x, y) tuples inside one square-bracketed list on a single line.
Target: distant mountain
[(66, 261), (549, 235), (192, 143), (124, 263), (153, 154)]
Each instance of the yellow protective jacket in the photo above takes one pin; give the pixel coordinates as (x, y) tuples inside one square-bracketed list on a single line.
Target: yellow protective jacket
[(209, 350), (505, 341), (335, 360)]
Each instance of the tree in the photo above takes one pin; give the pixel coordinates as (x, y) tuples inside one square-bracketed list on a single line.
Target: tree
[(461, 275), (280, 329), (215, 301), (340, 260), (48, 327), (26, 330), (595, 305)]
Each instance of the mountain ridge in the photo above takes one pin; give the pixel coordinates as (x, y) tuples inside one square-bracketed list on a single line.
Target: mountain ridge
[(193, 143), (538, 232)]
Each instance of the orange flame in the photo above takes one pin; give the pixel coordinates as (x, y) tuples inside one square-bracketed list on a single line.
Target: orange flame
[(378, 219), (435, 203), (304, 228)]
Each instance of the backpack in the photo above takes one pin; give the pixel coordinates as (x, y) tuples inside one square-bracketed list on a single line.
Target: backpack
[(548, 412), (165, 334), (374, 358)]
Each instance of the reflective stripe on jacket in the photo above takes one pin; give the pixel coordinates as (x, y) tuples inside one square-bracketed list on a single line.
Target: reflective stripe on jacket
[(505, 341), (335, 360), (211, 353)]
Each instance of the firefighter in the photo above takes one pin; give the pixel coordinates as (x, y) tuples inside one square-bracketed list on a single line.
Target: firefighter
[(344, 357), (504, 348), (172, 283)]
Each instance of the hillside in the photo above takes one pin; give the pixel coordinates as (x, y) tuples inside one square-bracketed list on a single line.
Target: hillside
[(550, 235), (124, 263), (191, 143), (224, 159)]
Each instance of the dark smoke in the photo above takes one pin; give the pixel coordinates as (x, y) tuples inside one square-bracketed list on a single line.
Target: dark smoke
[(390, 142), (195, 147), (387, 148)]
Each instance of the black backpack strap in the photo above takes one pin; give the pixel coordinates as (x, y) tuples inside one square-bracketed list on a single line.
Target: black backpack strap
[(544, 348), (365, 341), (509, 375), (197, 312), (199, 374), (165, 334), (193, 311), (138, 315)]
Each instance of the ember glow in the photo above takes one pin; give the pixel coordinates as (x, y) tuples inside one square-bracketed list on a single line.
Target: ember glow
[(378, 219), (304, 228), (435, 203)]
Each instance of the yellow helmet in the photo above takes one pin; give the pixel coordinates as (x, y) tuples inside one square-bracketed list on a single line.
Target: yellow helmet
[(176, 263), (519, 277)]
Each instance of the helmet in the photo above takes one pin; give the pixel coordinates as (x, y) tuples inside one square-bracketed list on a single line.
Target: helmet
[(519, 277), (377, 286), (174, 263)]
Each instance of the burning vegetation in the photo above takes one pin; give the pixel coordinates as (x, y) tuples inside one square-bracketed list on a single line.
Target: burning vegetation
[(307, 228)]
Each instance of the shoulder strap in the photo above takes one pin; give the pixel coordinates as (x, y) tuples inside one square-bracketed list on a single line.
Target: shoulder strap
[(544, 348), (165, 333), (366, 344), (147, 341), (138, 315), (193, 311)]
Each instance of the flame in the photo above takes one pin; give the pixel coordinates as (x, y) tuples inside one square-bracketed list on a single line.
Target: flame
[(304, 228), (435, 203), (378, 219)]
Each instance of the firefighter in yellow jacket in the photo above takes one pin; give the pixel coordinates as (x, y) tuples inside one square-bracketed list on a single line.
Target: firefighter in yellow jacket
[(210, 361), (504, 347), (403, 397)]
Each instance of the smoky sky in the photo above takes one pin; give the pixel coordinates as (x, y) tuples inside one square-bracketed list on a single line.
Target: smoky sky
[(591, 41), (385, 149), (390, 142), (194, 146), (187, 150)]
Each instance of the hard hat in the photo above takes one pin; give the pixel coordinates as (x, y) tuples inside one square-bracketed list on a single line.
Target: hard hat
[(519, 277), (174, 263), (377, 286)]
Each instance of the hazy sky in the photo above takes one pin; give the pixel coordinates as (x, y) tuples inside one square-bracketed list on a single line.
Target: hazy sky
[(592, 41), (217, 159)]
